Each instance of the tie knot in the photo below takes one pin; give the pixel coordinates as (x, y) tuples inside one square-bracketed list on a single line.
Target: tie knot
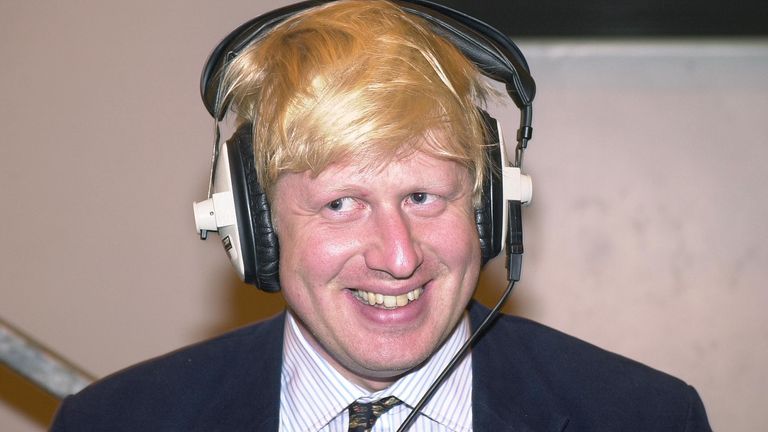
[(362, 416)]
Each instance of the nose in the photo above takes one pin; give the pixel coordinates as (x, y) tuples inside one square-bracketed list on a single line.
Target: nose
[(393, 247)]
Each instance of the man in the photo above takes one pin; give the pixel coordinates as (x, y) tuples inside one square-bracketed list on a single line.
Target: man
[(370, 148)]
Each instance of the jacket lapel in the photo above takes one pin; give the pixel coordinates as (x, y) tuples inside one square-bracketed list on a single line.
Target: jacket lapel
[(507, 392)]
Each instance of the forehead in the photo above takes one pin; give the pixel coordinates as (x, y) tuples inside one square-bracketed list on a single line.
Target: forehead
[(418, 170)]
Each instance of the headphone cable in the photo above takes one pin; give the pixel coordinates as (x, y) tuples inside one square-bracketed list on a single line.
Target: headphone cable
[(456, 358)]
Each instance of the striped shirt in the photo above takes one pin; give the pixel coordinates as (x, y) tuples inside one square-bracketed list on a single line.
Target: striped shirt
[(314, 396)]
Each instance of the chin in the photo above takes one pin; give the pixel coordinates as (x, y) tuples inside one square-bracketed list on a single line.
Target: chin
[(391, 360)]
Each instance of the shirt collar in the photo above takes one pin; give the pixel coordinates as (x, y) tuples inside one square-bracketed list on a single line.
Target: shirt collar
[(313, 393)]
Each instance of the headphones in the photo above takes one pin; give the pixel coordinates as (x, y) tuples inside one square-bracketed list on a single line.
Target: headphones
[(237, 207)]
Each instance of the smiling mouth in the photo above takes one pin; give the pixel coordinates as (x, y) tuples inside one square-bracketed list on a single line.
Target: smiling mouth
[(388, 301)]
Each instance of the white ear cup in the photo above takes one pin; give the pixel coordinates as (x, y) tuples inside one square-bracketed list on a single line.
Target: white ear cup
[(205, 217), (516, 186), (218, 213), (215, 212)]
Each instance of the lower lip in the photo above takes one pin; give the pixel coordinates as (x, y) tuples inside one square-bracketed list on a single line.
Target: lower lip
[(400, 316)]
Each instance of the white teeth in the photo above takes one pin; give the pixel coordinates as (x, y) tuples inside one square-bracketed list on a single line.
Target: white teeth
[(388, 301), (402, 300)]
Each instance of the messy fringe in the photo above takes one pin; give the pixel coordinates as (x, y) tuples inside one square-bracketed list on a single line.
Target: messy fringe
[(356, 80)]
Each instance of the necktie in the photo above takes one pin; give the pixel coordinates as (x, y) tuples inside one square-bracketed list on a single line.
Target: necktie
[(362, 416)]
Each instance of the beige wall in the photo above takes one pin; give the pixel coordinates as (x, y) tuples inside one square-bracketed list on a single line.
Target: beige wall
[(646, 237)]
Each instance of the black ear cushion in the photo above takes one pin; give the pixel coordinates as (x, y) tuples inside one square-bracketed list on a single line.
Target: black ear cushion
[(488, 216), (263, 240)]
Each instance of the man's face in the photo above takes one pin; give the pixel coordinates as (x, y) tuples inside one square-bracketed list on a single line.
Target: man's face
[(401, 237)]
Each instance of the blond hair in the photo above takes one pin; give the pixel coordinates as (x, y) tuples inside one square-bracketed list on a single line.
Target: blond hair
[(356, 80)]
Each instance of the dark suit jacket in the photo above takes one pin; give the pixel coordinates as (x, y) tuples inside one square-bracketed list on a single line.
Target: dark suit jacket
[(527, 378)]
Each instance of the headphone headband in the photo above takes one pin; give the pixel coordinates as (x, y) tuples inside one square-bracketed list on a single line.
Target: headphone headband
[(494, 53)]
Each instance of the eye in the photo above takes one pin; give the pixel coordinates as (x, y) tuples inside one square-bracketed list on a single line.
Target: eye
[(425, 203), (421, 198), (344, 209), (341, 204)]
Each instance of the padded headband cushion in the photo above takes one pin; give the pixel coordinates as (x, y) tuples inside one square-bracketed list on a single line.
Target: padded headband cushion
[(494, 54)]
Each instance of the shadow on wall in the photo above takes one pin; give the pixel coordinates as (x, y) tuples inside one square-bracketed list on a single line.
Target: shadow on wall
[(26, 398), (245, 304), (492, 284)]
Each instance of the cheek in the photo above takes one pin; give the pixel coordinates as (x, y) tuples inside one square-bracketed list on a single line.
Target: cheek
[(456, 243), (311, 258)]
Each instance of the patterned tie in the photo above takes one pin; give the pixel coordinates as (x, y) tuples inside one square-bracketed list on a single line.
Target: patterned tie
[(362, 416)]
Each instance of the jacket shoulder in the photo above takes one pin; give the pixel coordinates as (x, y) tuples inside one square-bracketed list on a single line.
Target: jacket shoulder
[(594, 388), (204, 386)]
